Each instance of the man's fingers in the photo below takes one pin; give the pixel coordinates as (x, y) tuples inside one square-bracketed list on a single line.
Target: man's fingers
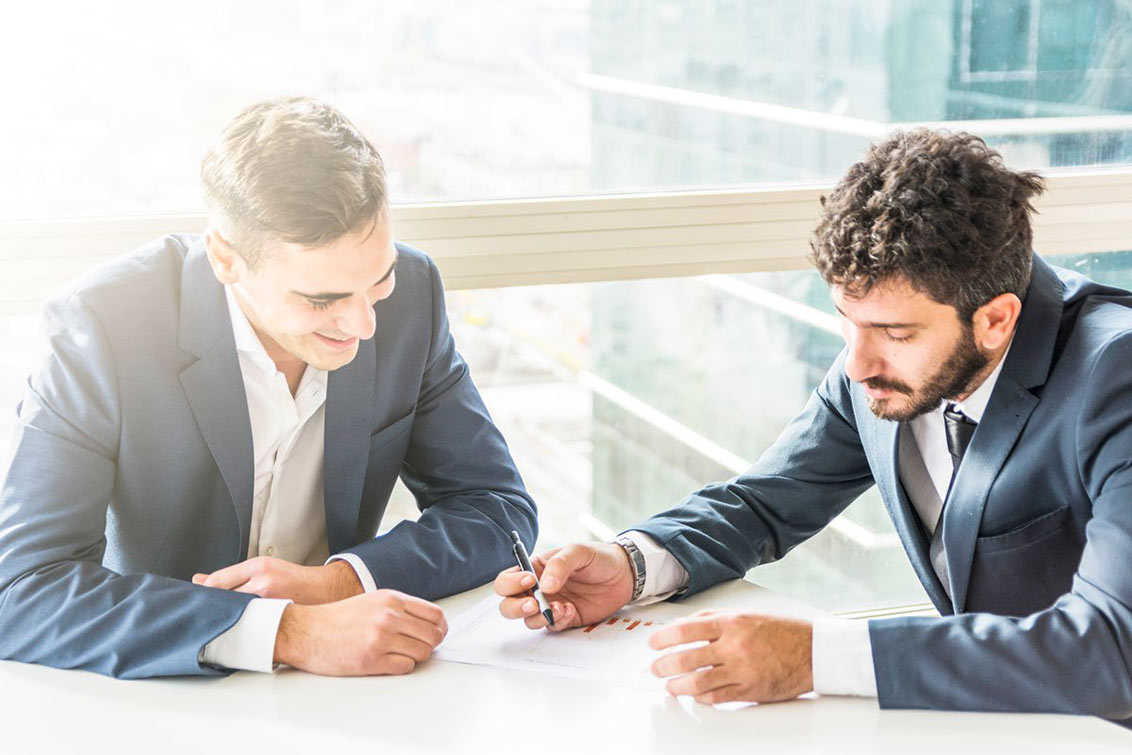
[(725, 694), (422, 609), (518, 608), (696, 630), (565, 616), (420, 630), (230, 577), (198, 579), (253, 587), (699, 682), (564, 562), (396, 664), (539, 561), (513, 582), (684, 662), (415, 648)]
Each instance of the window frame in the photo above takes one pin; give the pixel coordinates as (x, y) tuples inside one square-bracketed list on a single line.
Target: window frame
[(576, 239)]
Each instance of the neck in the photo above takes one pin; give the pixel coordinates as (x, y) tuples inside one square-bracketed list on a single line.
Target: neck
[(291, 366), (993, 358)]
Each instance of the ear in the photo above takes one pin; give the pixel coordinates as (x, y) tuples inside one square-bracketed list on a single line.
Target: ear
[(227, 264), (994, 322)]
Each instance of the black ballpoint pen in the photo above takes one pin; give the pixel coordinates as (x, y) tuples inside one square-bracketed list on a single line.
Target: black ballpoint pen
[(524, 560)]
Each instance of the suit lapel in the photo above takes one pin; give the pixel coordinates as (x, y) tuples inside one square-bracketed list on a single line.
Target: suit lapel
[(1011, 404), (891, 438), (1007, 412), (349, 413), (214, 385)]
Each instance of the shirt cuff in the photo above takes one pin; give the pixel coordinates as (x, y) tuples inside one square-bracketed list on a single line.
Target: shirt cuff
[(664, 575), (843, 658), (249, 644), (360, 568)]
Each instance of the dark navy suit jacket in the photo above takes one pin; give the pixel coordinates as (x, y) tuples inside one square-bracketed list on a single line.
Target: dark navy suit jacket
[(131, 467), (1037, 529)]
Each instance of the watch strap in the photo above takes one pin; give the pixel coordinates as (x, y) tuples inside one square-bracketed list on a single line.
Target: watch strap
[(636, 562)]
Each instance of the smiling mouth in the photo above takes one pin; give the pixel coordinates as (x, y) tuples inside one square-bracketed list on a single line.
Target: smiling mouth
[(336, 343)]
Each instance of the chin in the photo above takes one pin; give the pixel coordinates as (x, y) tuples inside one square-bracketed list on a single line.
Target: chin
[(336, 361), (894, 411)]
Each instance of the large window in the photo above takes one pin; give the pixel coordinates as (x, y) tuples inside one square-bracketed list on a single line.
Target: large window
[(618, 395), (109, 105)]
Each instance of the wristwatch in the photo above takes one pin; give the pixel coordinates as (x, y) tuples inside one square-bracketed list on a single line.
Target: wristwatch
[(636, 562)]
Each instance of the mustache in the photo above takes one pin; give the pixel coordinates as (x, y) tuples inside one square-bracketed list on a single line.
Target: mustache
[(884, 384)]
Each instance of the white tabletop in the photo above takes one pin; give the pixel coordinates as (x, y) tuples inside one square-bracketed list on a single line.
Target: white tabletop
[(460, 708)]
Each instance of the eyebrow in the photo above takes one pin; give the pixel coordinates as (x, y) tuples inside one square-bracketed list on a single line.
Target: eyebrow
[(886, 325), (335, 296)]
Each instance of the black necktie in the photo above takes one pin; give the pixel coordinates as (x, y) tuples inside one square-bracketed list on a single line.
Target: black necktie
[(959, 431)]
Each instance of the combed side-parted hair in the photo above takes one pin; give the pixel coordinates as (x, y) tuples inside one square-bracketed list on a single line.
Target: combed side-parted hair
[(940, 210), (291, 169)]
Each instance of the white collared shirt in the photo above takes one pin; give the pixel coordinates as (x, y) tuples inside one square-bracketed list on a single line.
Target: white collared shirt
[(288, 516), (931, 438), (842, 655)]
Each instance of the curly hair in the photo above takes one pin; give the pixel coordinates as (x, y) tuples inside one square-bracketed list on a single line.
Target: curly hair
[(938, 209)]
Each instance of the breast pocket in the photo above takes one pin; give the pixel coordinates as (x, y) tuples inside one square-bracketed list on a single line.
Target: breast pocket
[(1027, 569)]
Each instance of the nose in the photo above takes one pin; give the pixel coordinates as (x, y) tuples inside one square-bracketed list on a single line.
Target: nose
[(358, 319), (861, 359)]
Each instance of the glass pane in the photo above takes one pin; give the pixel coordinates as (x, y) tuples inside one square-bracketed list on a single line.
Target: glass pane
[(111, 105), (618, 399), (1000, 35)]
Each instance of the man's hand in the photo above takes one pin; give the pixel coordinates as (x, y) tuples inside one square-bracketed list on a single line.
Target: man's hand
[(584, 582), (276, 578), (746, 657), (382, 632)]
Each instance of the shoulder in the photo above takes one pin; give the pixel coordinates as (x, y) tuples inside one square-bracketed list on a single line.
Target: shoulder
[(144, 277), (415, 269), (1098, 350), (131, 303), (418, 281)]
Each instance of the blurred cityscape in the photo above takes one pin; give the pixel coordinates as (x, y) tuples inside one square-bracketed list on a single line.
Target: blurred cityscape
[(617, 398)]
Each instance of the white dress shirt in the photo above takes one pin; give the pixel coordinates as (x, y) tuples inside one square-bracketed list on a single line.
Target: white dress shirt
[(842, 656), (288, 519)]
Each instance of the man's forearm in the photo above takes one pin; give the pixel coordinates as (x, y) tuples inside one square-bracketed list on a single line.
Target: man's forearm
[(342, 580)]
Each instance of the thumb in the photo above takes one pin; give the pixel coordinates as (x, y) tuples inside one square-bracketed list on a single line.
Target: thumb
[(563, 564)]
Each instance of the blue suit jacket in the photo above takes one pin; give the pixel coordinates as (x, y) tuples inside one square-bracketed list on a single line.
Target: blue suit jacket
[(1037, 529), (132, 466)]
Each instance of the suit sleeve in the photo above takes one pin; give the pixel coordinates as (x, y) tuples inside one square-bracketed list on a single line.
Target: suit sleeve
[(1076, 655), (58, 605), (815, 469), (461, 473)]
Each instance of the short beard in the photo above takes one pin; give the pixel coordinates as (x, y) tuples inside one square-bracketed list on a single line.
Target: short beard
[(953, 379)]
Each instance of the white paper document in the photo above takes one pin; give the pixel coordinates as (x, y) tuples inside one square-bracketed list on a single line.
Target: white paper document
[(612, 651)]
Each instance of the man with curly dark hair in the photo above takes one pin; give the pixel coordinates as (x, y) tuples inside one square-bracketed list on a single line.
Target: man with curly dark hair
[(989, 398)]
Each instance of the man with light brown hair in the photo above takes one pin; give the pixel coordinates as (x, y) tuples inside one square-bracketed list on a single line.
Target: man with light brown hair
[(202, 462)]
